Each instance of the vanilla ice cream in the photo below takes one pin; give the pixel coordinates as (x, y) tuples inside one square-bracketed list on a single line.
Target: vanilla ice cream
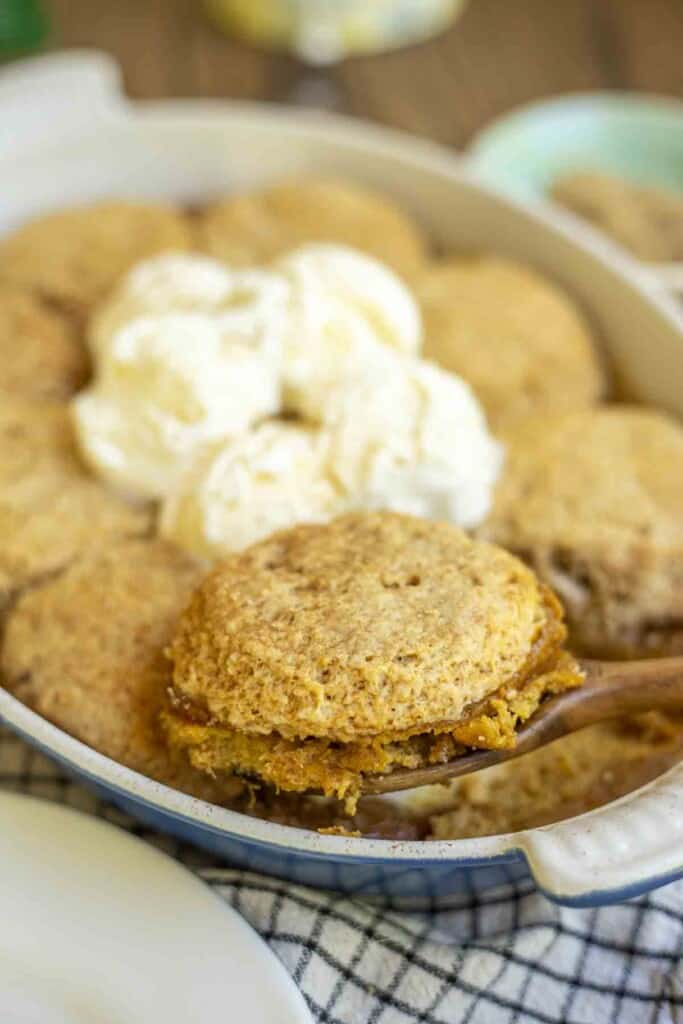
[(413, 440), (167, 385), (240, 491), (345, 311), (191, 356), (247, 300)]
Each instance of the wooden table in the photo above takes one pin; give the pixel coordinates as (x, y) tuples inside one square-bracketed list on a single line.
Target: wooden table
[(500, 54)]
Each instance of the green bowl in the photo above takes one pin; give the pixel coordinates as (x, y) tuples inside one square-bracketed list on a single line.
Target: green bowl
[(632, 135)]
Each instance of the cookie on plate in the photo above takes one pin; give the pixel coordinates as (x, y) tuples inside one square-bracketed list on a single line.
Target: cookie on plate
[(257, 227), (516, 338), (86, 651), (41, 353), (328, 652), (593, 501), (75, 256), (51, 511)]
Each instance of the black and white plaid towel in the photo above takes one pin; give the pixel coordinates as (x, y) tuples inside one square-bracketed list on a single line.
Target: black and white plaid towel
[(496, 958)]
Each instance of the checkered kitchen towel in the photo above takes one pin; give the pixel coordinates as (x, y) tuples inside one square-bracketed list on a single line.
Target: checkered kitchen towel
[(496, 958)]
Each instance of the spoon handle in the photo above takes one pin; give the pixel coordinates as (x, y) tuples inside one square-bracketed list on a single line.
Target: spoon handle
[(614, 688)]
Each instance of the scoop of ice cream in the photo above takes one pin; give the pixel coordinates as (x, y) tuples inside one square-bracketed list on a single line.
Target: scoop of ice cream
[(255, 309), (240, 491), (190, 355), (167, 385), (413, 440), (249, 300), (345, 311)]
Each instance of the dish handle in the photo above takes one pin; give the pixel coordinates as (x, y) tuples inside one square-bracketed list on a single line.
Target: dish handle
[(45, 99), (621, 850)]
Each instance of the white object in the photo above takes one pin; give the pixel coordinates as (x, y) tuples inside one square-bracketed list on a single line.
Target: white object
[(186, 352), (166, 386), (92, 144), (189, 355), (239, 492), (345, 310), (98, 926), (413, 439), (249, 302), (171, 283)]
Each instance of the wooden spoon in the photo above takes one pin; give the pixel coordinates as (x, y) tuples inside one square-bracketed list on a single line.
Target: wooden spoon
[(611, 689)]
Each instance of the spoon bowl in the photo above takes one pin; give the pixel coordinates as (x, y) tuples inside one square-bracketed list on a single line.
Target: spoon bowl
[(610, 689)]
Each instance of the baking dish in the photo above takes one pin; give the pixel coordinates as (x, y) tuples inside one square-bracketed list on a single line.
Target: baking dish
[(69, 136)]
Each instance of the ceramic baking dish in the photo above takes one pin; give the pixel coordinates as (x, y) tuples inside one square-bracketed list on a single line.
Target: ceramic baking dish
[(69, 136)]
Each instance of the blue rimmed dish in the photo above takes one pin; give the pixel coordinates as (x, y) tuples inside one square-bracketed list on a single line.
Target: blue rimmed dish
[(93, 144)]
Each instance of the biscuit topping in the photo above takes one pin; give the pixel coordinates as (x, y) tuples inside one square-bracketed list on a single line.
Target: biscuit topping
[(327, 652)]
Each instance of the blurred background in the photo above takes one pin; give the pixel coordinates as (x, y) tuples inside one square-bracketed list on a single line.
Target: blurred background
[(491, 55)]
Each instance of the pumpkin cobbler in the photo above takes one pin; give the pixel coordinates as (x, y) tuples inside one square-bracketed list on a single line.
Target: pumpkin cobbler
[(377, 641), (331, 651)]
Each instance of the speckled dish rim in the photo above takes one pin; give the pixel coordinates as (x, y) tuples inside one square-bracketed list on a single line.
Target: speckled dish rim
[(616, 851)]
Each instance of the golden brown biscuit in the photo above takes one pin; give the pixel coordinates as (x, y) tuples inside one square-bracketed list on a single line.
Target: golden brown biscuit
[(257, 227), (579, 772), (86, 651), (327, 652), (41, 355), (648, 221), (516, 338), (75, 256), (594, 502), (51, 511)]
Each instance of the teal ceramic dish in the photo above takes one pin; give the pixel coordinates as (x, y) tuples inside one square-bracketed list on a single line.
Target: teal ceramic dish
[(635, 136)]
